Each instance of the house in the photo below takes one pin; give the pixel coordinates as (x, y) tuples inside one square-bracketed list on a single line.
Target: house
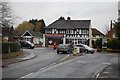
[(96, 34), (29, 35), (68, 31), (112, 32)]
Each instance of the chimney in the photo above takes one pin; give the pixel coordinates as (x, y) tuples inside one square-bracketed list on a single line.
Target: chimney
[(68, 18), (111, 25)]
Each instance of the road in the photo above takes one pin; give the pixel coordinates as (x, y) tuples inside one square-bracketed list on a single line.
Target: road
[(45, 57), (87, 66), (48, 64)]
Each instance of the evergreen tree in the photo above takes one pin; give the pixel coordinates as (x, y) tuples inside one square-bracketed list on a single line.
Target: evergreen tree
[(117, 26)]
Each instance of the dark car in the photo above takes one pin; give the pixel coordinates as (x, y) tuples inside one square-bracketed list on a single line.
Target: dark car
[(64, 48), (85, 48), (26, 44)]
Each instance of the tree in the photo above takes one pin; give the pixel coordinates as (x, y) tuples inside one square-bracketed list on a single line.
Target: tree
[(98, 43), (24, 26), (117, 26), (5, 14), (38, 25)]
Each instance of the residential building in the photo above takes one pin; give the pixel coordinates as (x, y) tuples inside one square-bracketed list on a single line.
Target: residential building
[(96, 34), (29, 35), (68, 31), (112, 32)]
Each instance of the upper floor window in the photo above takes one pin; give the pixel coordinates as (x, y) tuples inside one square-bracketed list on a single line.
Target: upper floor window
[(84, 31)]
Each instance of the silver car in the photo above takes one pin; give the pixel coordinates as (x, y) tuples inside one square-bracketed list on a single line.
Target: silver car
[(85, 48)]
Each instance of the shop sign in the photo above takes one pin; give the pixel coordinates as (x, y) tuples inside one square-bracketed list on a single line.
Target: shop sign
[(54, 35)]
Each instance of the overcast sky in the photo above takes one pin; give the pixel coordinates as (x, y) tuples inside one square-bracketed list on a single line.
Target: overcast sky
[(100, 13)]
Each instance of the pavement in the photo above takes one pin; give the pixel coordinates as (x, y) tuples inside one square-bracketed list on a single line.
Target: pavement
[(23, 57)]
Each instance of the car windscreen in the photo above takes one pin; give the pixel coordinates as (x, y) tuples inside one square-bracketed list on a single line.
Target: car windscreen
[(78, 45), (60, 45)]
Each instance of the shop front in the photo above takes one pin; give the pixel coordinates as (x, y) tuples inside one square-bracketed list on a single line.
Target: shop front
[(51, 39)]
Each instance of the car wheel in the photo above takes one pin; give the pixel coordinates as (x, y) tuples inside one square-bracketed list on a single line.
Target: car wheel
[(86, 51), (92, 52), (57, 52)]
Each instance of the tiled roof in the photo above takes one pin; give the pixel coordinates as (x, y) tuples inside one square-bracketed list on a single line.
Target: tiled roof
[(69, 24), (96, 32), (33, 33)]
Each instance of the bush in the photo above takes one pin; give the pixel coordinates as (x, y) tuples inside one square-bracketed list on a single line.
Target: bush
[(99, 49), (10, 47), (97, 43), (114, 44)]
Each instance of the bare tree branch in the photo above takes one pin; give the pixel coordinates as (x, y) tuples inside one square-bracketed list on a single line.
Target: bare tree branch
[(5, 14)]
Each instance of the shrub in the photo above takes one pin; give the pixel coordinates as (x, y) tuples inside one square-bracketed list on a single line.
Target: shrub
[(114, 44), (10, 47), (98, 43), (109, 50), (99, 49)]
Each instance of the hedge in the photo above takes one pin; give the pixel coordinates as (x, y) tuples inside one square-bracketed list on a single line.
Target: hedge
[(10, 47)]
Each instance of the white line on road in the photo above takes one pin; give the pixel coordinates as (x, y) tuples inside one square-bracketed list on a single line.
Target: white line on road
[(26, 75), (47, 66), (54, 63), (44, 67), (64, 58), (107, 63), (97, 74)]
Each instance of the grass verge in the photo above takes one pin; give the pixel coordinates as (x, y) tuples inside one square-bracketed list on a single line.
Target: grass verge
[(10, 55)]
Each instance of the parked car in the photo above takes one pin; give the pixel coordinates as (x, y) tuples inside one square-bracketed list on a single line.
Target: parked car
[(67, 48), (85, 48), (26, 44)]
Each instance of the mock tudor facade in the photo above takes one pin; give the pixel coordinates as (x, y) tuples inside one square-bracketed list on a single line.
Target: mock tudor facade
[(68, 31)]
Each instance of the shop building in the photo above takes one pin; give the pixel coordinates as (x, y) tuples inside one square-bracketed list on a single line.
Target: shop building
[(68, 31)]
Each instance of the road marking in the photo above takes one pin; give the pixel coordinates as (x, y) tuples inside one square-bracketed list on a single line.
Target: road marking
[(107, 63), (64, 58), (47, 66), (84, 62), (54, 63), (44, 67), (106, 72), (97, 74), (26, 75)]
